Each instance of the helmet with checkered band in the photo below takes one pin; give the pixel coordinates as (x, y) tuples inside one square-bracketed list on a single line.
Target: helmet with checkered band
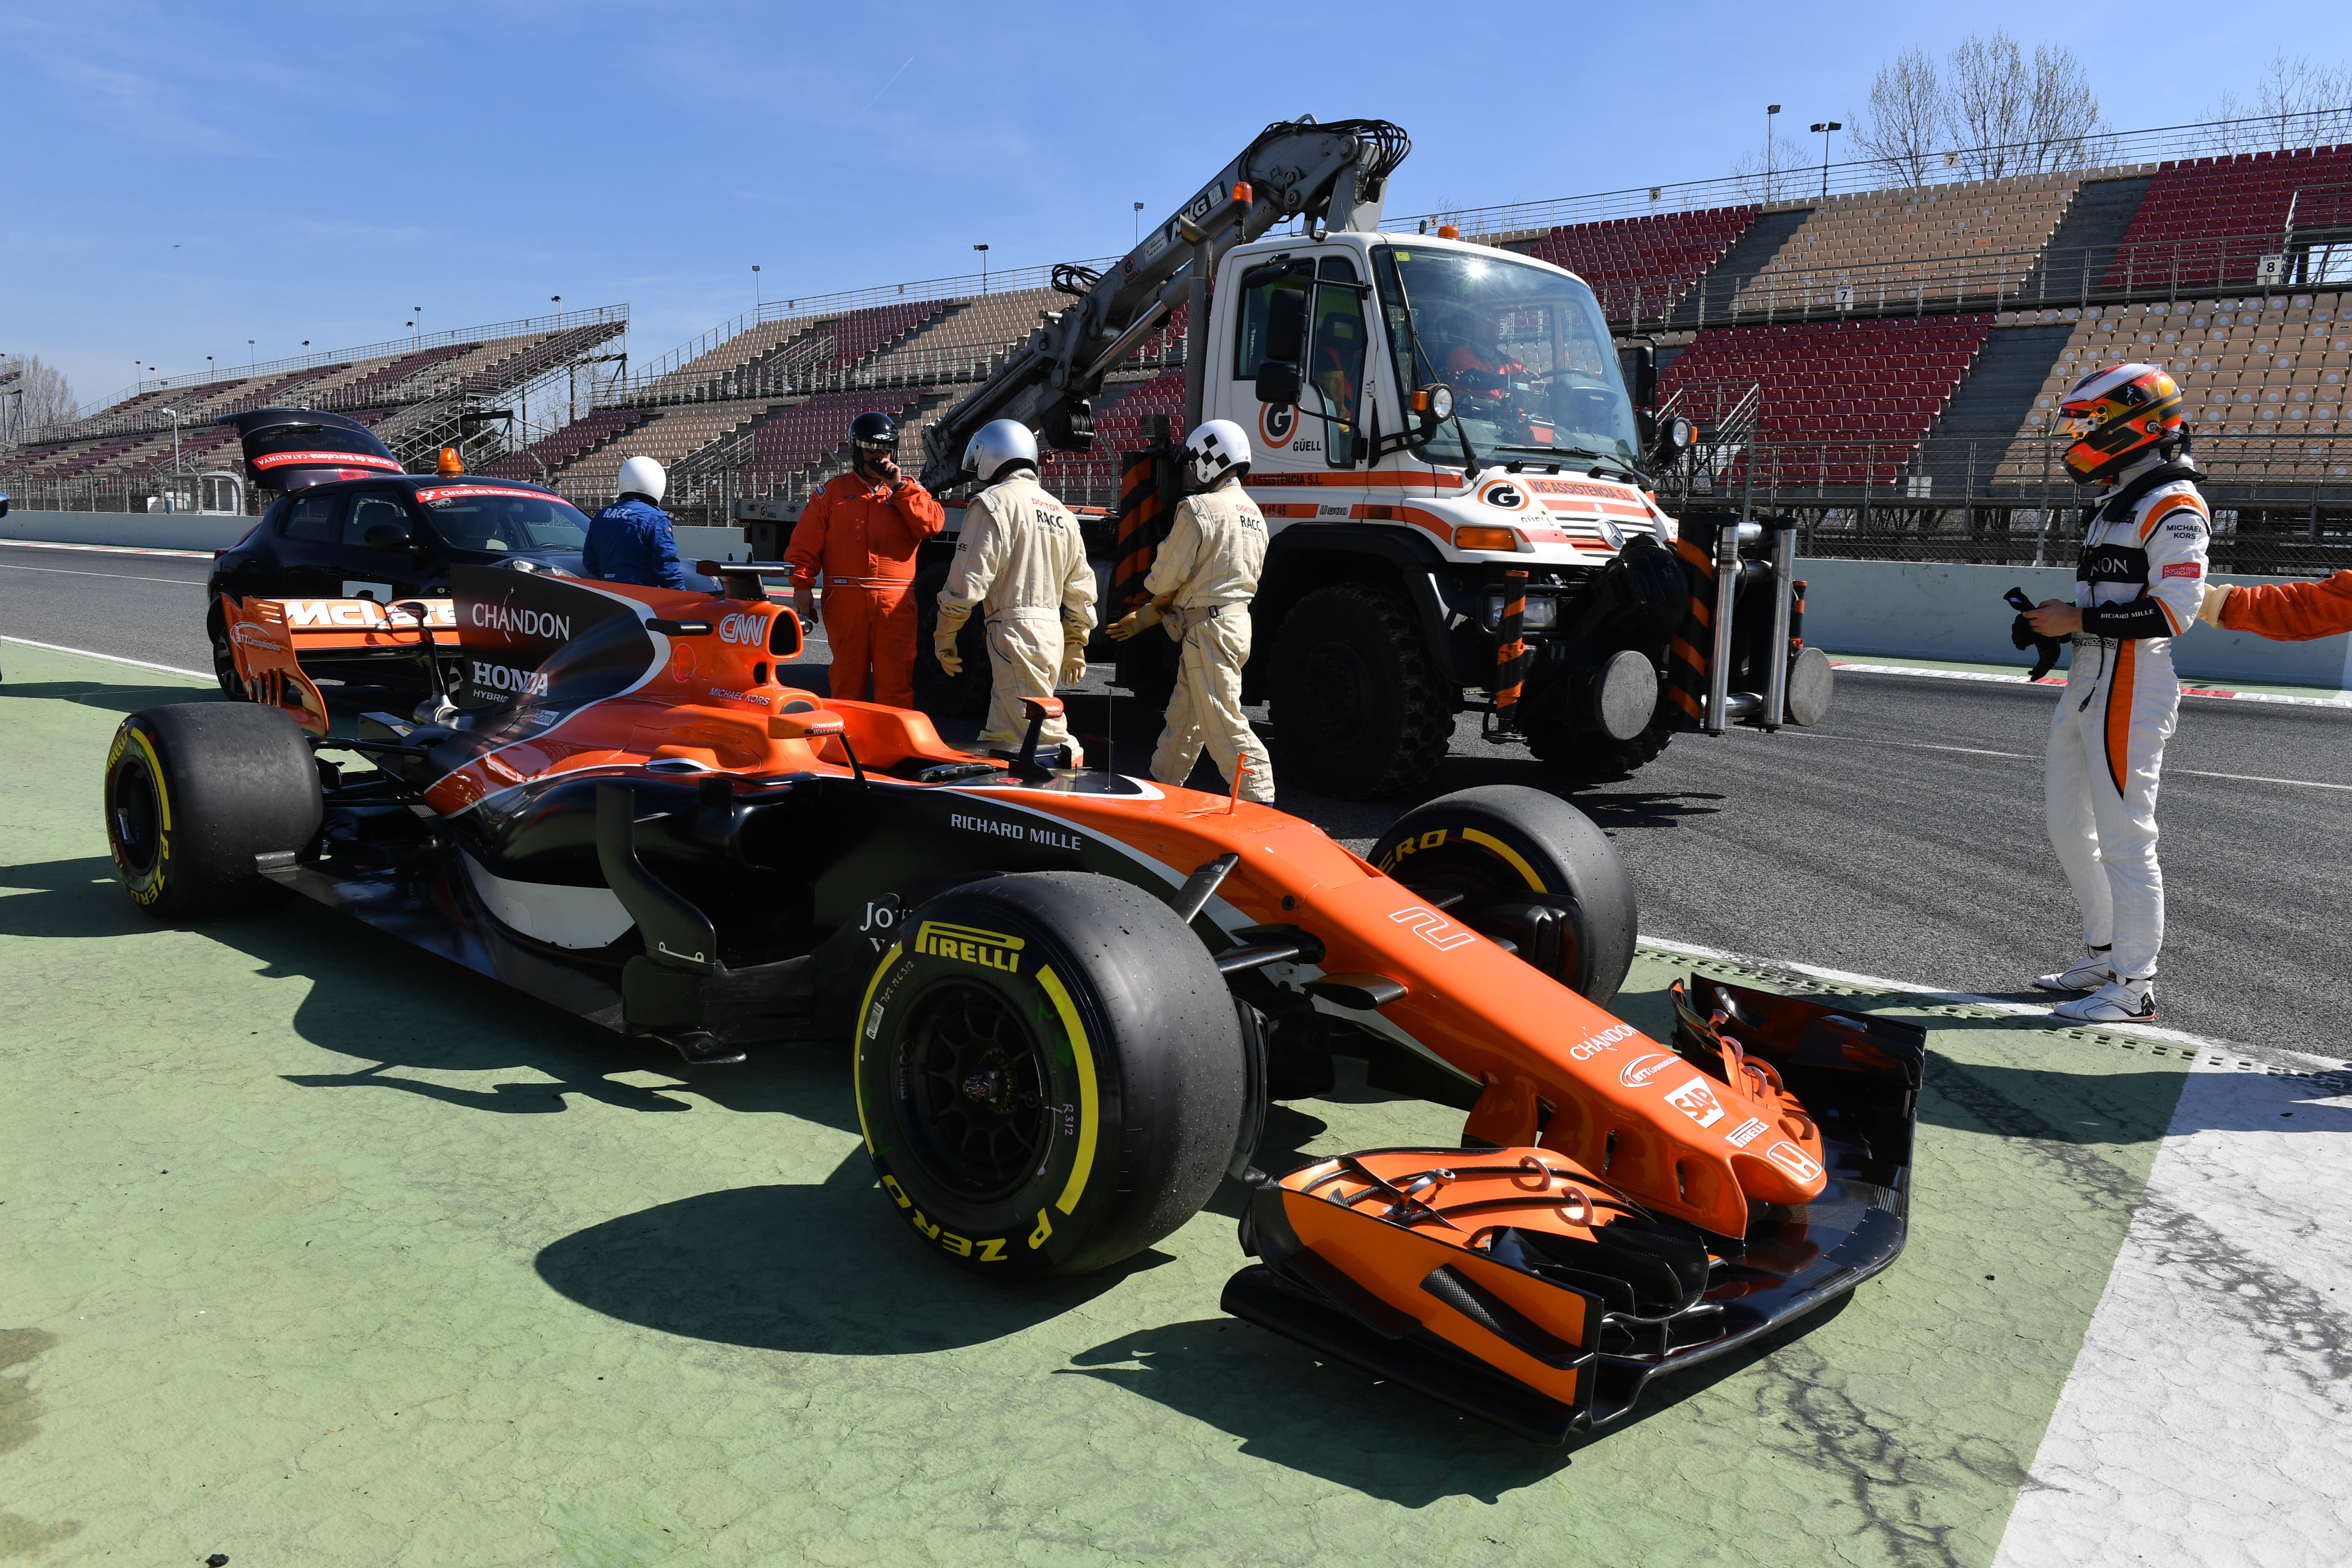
[(2115, 416), (1216, 449)]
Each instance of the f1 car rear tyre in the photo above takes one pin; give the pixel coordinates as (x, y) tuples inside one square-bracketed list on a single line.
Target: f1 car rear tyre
[(1516, 862), (1359, 710), (1050, 1073), (194, 791), (938, 693), (1589, 754), (224, 660)]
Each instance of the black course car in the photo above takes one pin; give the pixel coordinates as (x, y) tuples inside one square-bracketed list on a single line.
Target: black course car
[(349, 524)]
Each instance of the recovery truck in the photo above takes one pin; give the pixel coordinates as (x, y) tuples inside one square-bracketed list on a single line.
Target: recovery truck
[(1453, 478)]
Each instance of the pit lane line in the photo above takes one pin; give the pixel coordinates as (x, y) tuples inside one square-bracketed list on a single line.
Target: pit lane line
[(109, 658), (117, 577), (2028, 757), (109, 548), (2341, 700), (2287, 1063)]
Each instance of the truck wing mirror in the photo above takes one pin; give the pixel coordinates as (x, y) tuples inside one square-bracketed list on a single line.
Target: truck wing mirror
[(1278, 381), (1646, 376), (1286, 324)]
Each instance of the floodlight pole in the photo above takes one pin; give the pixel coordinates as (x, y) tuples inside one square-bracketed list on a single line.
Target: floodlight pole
[(983, 267), (1825, 127), (1769, 110)]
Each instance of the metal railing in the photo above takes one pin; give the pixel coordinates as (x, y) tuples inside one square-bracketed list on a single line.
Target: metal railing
[(617, 315), (2006, 280), (2104, 155)]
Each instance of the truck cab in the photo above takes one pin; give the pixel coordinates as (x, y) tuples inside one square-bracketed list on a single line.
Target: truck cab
[(1426, 416)]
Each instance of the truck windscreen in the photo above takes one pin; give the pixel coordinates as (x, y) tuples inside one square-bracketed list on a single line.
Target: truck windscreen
[(1526, 351)]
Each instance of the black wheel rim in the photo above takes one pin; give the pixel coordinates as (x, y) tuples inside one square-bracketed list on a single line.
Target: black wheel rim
[(973, 1085), (134, 820)]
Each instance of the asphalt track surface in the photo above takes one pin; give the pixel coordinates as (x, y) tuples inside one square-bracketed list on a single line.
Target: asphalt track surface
[(1901, 838)]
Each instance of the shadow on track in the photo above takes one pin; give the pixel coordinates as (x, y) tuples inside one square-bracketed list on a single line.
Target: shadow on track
[(1328, 1419), (110, 699), (827, 1269)]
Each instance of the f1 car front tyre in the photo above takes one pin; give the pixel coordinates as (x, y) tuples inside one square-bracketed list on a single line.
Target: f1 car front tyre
[(1359, 709), (1520, 864), (194, 791), (1050, 1076)]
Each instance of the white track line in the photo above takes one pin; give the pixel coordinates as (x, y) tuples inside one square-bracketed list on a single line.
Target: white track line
[(2341, 700), (109, 658), (109, 548), (111, 576), (2295, 1062), (2025, 757)]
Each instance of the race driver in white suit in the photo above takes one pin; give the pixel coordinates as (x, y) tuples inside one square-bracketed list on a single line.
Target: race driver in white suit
[(2139, 584)]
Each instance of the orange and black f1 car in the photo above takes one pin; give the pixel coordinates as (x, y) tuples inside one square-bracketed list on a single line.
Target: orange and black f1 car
[(1070, 995)]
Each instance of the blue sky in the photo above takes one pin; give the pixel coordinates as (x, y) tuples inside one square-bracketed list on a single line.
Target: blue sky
[(181, 178)]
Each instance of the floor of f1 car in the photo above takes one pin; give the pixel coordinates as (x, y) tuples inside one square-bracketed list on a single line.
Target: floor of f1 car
[(320, 1251)]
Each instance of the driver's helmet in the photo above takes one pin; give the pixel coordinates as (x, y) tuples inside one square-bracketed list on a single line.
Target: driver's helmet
[(2115, 416)]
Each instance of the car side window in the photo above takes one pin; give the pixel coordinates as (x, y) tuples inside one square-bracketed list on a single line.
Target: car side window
[(313, 517), (373, 512)]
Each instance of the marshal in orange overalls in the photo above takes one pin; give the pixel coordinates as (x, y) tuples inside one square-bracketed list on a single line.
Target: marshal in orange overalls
[(864, 536)]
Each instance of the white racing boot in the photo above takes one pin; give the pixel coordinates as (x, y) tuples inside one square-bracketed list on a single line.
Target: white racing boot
[(2119, 1001), (2087, 973)]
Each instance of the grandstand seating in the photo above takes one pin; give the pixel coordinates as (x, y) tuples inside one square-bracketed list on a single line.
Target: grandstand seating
[(1640, 265), (2247, 366), (732, 354), (1880, 380), (1093, 477), (670, 435), (2191, 206), (1877, 245), (582, 435), (966, 332), (406, 366), (795, 438)]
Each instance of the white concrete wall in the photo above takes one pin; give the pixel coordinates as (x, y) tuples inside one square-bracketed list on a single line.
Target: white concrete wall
[(150, 531), (1925, 609), (184, 531)]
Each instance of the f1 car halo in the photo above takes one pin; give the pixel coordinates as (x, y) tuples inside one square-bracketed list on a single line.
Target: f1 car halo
[(1069, 995)]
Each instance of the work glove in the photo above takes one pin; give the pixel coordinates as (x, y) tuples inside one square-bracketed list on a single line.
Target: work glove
[(804, 606), (943, 639), (2022, 636), (1136, 621), (2217, 597), (1074, 656)]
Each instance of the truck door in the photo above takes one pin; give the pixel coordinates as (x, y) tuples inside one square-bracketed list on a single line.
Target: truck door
[(1325, 430)]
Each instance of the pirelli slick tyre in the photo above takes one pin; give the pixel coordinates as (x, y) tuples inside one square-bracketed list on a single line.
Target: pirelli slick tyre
[(1526, 865), (938, 693), (1359, 710), (1050, 1074), (194, 792)]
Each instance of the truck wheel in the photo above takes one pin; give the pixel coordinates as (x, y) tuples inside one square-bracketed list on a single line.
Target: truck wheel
[(1359, 709), (194, 792), (1050, 1073), (938, 693), (1519, 863), (1589, 754)]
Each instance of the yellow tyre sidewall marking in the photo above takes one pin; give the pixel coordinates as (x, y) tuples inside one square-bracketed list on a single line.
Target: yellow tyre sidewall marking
[(1088, 1115), (154, 879), (1518, 861), (857, 1041)]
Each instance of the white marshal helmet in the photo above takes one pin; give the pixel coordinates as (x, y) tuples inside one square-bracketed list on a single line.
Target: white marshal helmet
[(1217, 448), (642, 476), (999, 442)]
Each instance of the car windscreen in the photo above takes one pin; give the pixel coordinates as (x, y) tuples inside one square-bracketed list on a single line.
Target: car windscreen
[(493, 517)]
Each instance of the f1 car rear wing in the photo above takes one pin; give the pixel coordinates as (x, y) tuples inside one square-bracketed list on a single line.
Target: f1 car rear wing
[(268, 638)]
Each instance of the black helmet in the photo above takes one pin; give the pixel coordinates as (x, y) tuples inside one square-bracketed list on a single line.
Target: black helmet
[(873, 436)]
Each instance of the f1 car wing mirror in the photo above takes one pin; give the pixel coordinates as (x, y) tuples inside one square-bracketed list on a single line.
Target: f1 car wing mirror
[(389, 536)]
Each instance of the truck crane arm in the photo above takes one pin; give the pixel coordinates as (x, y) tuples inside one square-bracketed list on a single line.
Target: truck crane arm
[(1334, 175)]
